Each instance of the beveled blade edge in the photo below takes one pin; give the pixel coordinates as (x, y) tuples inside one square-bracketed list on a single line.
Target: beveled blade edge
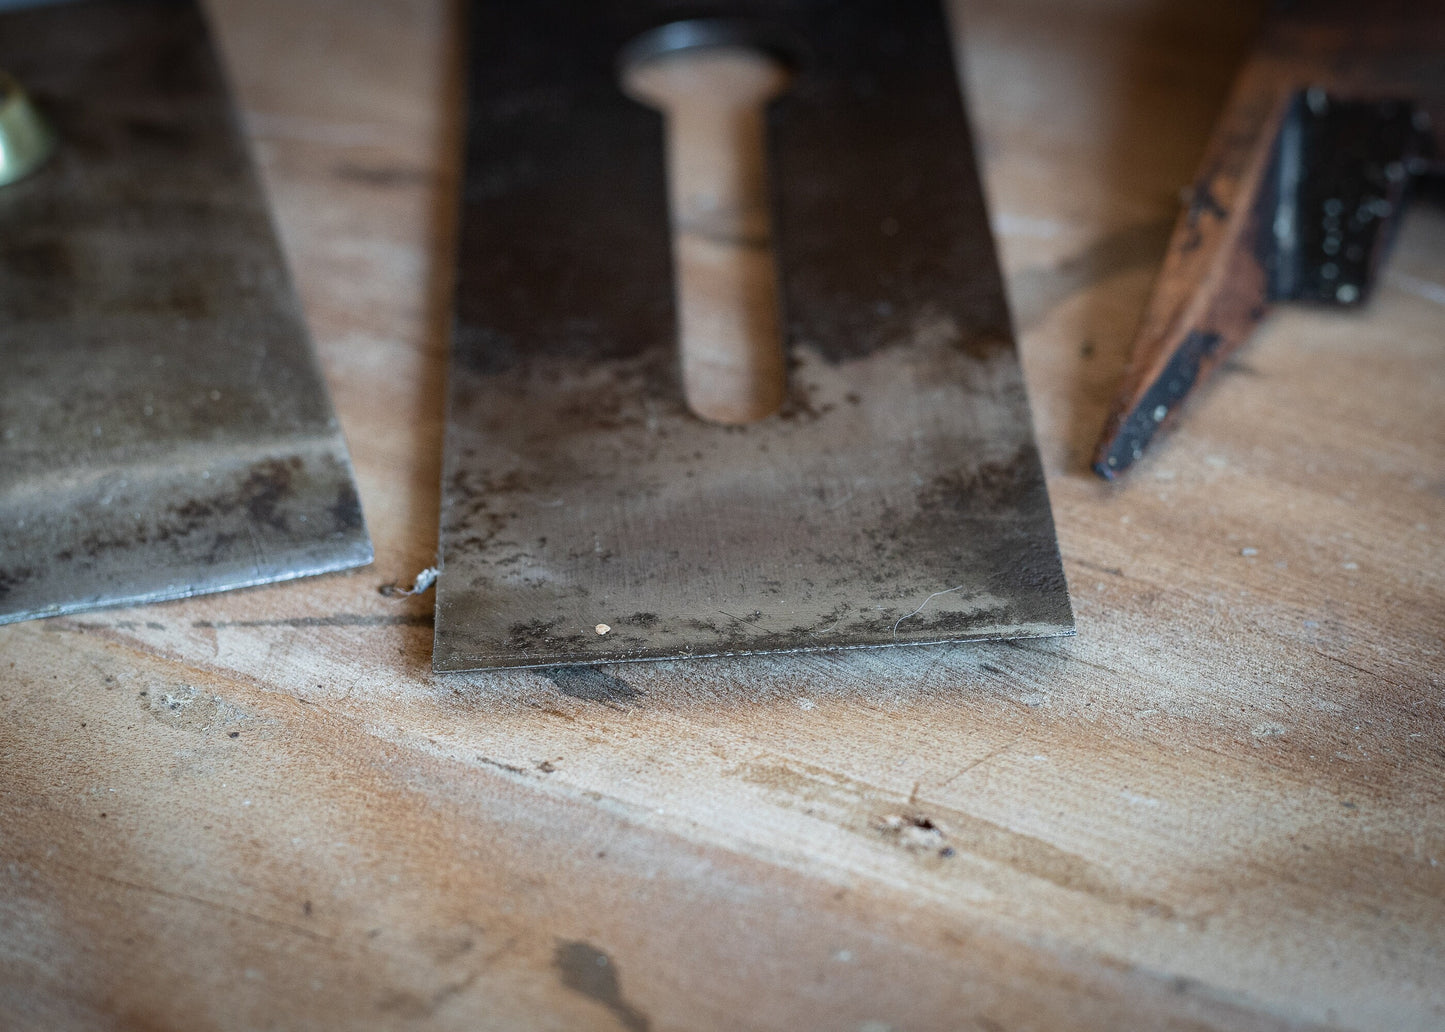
[(665, 656), (201, 522), (906, 505)]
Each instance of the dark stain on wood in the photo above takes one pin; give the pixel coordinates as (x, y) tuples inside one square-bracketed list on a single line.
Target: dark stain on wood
[(591, 684), (585, 969)]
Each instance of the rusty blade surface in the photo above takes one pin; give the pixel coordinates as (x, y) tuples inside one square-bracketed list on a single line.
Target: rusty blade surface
[(897, 498), (164, 428)]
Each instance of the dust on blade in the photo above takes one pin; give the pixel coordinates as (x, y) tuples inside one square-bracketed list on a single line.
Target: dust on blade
[(164, 428), (897, 497)]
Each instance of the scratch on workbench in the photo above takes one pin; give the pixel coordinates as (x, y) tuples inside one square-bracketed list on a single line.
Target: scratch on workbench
[(340, 620), (508, 767), (186, 897), (410, 1005), (981, 761)]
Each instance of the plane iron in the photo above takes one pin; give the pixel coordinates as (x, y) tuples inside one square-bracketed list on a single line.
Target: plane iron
[(164, 427), (588, 516)]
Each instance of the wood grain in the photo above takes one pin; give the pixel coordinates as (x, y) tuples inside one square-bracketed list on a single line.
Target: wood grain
[(1221, 806)]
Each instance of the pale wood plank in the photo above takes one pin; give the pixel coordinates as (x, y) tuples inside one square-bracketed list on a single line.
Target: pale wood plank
[(1220, 806)]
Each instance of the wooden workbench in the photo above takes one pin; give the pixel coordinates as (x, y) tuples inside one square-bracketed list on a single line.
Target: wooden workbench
[(1220, 806)]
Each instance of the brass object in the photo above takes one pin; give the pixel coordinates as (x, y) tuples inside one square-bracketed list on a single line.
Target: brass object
[(25, 138)]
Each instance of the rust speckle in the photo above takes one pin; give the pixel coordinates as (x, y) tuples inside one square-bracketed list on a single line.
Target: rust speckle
[(11, 578), (268, 485), (345, 512)]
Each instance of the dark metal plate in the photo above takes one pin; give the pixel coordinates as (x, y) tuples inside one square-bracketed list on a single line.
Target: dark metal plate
[(164, 428), (897, 498)]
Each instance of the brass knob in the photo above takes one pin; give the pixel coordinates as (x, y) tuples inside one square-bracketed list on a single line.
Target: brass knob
[(25, 139)]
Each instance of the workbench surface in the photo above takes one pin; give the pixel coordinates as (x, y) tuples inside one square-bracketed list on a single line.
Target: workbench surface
[(1220, 806)]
